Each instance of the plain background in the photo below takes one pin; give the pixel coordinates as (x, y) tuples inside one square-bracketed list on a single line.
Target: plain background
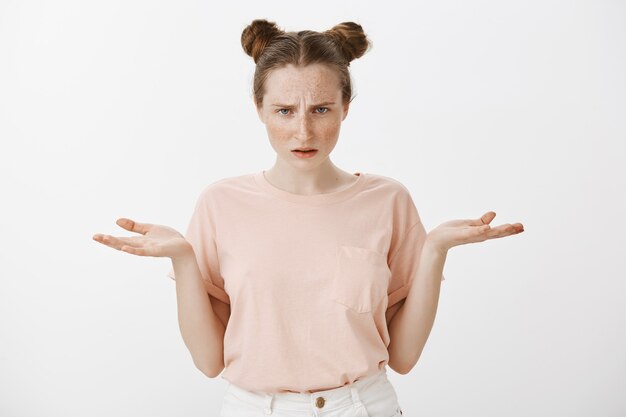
[(129, 108)]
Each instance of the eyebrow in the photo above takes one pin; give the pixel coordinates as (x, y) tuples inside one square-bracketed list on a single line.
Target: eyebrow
[(326, 103)]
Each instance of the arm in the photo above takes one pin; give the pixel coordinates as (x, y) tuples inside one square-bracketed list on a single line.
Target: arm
[(410, 326), (201, 328)]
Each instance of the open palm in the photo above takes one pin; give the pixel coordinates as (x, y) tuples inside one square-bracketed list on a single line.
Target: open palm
[(460, 232), (153, 240)]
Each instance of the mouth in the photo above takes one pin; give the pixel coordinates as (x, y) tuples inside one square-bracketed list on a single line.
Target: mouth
[(304, 152)]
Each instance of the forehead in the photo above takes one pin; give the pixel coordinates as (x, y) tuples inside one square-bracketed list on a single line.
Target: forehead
[(315, 81)]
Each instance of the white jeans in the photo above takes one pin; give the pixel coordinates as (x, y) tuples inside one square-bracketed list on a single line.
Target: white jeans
[(373, 396)]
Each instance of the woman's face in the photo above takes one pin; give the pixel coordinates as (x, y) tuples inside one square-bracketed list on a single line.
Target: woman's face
[(303, 108)]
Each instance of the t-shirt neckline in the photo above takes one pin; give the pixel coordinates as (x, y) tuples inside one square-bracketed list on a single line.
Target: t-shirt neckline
[(315, 199)]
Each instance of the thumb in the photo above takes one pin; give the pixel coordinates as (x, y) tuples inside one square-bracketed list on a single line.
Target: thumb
[(132, 226)]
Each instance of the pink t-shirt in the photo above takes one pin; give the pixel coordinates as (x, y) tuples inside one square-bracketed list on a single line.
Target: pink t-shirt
[(310, 279)]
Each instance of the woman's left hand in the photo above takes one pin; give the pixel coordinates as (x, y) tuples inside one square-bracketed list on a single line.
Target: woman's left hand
[(460, 232)]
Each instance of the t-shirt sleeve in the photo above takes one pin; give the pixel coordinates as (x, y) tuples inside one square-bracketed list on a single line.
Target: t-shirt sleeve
[(201, 235), (407, 249)]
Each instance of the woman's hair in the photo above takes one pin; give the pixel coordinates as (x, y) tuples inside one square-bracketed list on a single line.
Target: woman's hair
[(272, 48)]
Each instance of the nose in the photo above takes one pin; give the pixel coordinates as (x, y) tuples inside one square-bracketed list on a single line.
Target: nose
[(304, 128)]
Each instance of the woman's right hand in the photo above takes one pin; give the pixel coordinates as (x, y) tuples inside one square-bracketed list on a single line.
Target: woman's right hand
[(154, 240)]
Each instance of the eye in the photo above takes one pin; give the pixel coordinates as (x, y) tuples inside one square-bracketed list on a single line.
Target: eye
[(326, 110)]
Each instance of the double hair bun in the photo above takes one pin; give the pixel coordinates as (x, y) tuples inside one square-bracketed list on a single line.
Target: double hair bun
[(348, 36)]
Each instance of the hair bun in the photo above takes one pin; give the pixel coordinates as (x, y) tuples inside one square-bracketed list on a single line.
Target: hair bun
[(257, 35), (351, 38)]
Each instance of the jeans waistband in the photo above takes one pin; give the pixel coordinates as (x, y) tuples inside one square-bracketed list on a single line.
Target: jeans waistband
[(326, 400)]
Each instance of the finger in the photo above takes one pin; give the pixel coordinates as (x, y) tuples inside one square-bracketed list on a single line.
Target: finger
[(134, 245), (108, 240), (482, 220), (133, 226), (466, 223), (149, 249), (102, 238), (505, 230), (141, 251), (512, 228), (487, 217), (114, 242)]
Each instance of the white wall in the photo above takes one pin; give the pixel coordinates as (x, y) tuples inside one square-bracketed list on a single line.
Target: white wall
[(128, 108)]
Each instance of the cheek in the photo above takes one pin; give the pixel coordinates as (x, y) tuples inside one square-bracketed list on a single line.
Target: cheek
[(277, 130), (324, 130), (276, 133), (329, 128)]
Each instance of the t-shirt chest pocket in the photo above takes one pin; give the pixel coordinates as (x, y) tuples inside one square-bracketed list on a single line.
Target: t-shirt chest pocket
[(361, 278)]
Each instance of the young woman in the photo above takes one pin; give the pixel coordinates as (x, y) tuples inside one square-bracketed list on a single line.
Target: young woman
[(303, 282)]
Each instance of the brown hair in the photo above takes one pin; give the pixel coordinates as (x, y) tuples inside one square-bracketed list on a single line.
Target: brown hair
[(272, 48)]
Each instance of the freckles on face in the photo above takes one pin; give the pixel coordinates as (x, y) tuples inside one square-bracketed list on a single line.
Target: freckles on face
[(303, 107)]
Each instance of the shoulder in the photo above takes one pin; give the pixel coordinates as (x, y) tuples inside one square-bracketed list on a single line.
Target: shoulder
[(397, 198), (388, 185), (226, 186)]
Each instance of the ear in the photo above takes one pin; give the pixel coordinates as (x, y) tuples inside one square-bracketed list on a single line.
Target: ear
[(259, 111), (346, 107)]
